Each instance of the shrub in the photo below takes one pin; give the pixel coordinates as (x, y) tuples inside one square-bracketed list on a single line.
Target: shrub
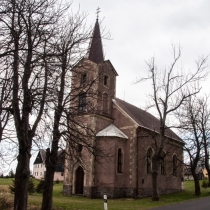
[(12, 187), (31, 186), (5, 204), (40, 186), (205, 184), (11, 174)]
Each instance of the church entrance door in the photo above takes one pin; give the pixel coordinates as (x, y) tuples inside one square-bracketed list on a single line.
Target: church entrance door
[(79, 184)]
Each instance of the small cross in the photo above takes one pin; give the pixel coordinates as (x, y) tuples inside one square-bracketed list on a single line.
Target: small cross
[(97, 11)]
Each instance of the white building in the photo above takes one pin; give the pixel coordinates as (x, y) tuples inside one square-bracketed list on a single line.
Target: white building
[(39, 168)]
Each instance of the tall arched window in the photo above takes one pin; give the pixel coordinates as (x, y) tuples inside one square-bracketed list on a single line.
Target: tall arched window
[(106, 80), (119, 160), (174, 165), (105, 103), (82, 102), (149, 160)]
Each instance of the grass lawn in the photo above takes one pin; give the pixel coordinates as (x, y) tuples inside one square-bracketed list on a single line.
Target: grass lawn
[(82, 203)]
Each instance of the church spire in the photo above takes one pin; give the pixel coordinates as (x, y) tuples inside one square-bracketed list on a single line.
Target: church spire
[(96, 50)]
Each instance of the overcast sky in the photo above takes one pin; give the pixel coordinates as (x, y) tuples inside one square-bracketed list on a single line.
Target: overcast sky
[(141, 29)]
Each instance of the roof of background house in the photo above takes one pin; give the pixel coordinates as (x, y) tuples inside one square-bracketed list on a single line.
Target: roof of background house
[(41, 156), (143, 118)]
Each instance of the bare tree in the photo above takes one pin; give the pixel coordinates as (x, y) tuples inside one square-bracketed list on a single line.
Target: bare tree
[(73, 94), (68, 49), (189, 127), (204, 127), (169, 93), (43, 46), (25, 28)]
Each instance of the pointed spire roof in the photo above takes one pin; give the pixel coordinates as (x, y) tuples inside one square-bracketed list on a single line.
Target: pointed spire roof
[(96, 50)]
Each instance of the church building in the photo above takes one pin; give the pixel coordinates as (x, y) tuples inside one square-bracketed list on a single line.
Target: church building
[(124, 132)]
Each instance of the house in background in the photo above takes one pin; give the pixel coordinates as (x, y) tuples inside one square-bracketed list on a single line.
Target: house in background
[(39, 166), (200, 171)]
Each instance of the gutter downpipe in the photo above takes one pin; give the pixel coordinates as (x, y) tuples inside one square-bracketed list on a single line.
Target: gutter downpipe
[(137, 163)]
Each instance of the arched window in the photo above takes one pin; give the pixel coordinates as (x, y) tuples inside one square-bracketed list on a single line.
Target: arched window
[(149, 160), (83, 78), (106, 80), (174, 165), (119, 160), (79, 148), (162, 164), (105, 103), (82, 102)]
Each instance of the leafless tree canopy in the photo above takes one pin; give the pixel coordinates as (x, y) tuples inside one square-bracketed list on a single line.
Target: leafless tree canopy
[(170, 91), (194, 126), (40, 43)]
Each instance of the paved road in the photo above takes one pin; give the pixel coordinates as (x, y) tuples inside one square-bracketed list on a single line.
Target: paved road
[(197, 204)]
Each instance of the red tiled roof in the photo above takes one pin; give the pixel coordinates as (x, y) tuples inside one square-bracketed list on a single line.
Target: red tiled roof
[(143, 118)]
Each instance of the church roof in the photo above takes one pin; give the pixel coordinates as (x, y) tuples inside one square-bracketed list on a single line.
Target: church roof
[(112, 131), (142, 118), (95, 53)]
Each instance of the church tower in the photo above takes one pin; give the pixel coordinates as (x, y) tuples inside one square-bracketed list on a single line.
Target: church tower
[(93, 88), (94, 80)]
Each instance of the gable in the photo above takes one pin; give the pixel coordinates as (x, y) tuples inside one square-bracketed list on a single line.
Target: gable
[(112, 67), (112, 131)]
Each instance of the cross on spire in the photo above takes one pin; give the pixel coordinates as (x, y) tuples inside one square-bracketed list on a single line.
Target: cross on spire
[(97, 12)]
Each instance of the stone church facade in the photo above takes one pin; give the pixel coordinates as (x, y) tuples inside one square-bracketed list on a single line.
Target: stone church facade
[(124, 132)]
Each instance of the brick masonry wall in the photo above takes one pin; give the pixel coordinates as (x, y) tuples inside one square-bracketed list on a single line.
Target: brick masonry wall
[(99, 192), (67, 190)]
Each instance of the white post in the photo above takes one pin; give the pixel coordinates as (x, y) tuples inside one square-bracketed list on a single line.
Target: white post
[(182, 186), (105, 202), (182, 183)]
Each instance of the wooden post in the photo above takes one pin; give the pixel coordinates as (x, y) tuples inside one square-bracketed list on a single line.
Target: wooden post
[(105, 202)]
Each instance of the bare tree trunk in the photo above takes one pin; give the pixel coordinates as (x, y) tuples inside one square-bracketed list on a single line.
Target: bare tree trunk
[(48, 186), (21, 180), (197, 185), (155, 167)]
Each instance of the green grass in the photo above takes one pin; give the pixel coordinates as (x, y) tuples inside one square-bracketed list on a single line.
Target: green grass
[(82, 203)]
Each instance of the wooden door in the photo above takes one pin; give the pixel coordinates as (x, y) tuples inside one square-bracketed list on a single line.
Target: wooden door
[(79, 184)]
